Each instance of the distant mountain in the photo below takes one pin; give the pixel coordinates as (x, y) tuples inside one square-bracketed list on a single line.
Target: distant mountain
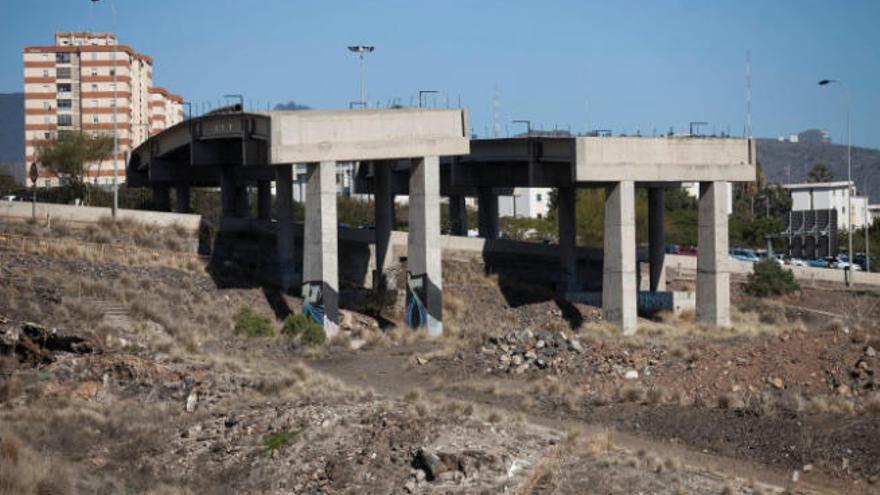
[(786, 162), (12, 134)]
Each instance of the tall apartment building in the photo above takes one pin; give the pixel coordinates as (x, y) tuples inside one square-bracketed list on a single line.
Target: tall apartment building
[(69, 87)]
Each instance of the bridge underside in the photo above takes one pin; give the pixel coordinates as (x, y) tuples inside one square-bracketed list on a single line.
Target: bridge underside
[(424, 154)]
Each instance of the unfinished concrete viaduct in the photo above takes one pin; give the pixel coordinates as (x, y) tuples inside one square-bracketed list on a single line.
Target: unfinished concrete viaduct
[(425, 154)]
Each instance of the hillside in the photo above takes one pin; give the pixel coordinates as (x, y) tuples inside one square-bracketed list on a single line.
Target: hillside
[(775, 156), (12, 132)]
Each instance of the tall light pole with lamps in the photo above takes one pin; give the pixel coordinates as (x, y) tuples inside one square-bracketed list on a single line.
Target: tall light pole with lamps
[(115, 139), (849, 226), (361, 50)]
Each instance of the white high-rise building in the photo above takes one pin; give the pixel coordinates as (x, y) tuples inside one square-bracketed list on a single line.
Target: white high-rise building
[(69, 86)]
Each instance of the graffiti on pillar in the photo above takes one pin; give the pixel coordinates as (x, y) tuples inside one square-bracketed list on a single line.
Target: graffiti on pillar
[(313, 301), (416, 295)]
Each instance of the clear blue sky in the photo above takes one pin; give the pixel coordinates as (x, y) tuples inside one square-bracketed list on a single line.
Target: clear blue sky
[(623, 65)]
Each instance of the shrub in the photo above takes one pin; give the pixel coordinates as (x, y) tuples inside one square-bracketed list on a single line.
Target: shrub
[(251, 324), (275, 441), (770, 279), (304, 329)]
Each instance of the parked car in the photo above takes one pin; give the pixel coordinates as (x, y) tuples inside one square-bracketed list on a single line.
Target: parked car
[(687, 250), (744, 254), (10, 197), (797, 262), (817, 263), (672, 249)]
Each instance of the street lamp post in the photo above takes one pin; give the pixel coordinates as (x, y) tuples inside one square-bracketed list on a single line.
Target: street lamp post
[(115, 139), (849, 253), (425, 92), (361, 50), (528, 124)]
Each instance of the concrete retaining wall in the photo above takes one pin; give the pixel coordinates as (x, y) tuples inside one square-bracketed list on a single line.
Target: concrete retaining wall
[(20, 211), (806, 274)]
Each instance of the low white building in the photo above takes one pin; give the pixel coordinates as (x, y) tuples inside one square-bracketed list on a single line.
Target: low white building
[(831, 195), (529, 202)]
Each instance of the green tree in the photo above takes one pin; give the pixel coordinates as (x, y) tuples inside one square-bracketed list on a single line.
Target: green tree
[(70, 155), (820, 173)]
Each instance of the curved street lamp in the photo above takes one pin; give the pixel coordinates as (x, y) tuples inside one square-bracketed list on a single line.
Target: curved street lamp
[(361, 50), (849, 226)]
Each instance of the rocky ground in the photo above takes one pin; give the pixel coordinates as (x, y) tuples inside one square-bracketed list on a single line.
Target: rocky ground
[(127, 377)]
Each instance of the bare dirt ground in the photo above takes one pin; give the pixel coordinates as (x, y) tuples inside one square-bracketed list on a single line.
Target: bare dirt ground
[(127, 376)]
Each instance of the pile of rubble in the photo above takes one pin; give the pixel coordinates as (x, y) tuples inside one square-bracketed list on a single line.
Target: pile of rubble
[(521, 350)]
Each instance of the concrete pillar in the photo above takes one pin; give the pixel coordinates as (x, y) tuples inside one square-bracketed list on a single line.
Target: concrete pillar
[(227, 192), (619, 291), (656, 240), (713, 277), (424, 303), (488, 213), (320, 289), (182, 200), (384, 212), (567, 240), (264, 200), (162, 197), (284, 234), (458, 223), (242, 203)]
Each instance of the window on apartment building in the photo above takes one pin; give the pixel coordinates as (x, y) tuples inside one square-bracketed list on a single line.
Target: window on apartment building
[(45, 72), (94, 55), (94, 87), (65, 119), (46, 105), (94, 72), (62, 73), (46, 135), (538, 197), (94, 103), (95, 119), (112, 72), (45, 120), (62, 58), (65, 104), (64, 88)]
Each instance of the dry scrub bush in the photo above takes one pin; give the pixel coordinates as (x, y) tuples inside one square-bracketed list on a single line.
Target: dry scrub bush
[(22, 472)]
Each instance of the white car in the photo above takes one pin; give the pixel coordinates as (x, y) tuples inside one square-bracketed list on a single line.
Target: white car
[(797, 262)]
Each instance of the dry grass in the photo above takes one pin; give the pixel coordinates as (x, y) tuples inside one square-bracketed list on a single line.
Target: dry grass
[(23, 472)]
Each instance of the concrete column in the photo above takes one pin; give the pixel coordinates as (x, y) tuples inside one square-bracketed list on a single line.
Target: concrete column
[(567, 240), (284, 234), (227, 192), (488, 213), (384, 212), (182, 200), (264, 200), (619, 291), (424, 283), (458, 223), (320, 289), (713, 277), (162, 197), (242, 203), (656, 240)]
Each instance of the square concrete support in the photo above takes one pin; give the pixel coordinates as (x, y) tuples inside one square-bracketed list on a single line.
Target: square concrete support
[(619, 291), (384, 212), (182, 197), (284, 236), (424, 283), (320, 289), (242, 203), (162, 197), (656, 241), (264, 200), (228, 192), (713, 277), (488, 213), (567, 240), (458, 222)]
